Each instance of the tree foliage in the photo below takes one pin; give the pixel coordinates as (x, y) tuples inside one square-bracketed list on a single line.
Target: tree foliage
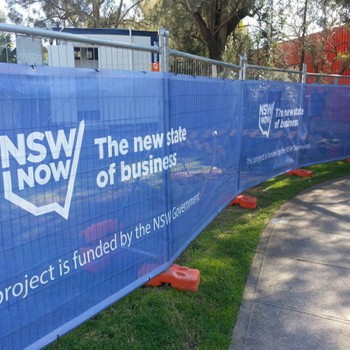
[(213, 28), (313, 25), (7, 52), (203, 23), (268, 30), (239, 43), (344, 9), (280, 21), (184, 36), (72, 13)]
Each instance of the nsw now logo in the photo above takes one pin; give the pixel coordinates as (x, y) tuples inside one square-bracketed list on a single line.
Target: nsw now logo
[(39, 169), (266, 111)]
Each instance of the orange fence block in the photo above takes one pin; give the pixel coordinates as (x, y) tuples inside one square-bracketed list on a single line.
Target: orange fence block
[(245, 201), (347, 160), (300, 172), (178, 277)]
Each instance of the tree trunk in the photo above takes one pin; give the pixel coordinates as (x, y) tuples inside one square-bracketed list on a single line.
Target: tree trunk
[(96, 13), (215, 51), (303, 36)]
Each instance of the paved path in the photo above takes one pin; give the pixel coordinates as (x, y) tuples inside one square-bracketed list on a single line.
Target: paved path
[(298, 292)]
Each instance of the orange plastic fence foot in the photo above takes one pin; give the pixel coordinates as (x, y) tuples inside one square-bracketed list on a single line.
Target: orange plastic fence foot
[(245, 201), (178, 277), (300, 172), (347, 160)]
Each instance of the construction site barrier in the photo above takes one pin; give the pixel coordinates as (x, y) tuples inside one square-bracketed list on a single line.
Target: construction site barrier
[(105, 172)]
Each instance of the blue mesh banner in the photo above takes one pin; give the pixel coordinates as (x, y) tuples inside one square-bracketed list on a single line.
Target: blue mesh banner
[(107, 176), (85, 164), (327, 124), (206, 176), (273, 114)]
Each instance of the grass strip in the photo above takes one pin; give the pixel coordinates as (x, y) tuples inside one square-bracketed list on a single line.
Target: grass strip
[(164, 318)]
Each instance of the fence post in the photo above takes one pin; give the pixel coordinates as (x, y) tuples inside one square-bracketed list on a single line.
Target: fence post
[(164, 47), (304, 73), (243, 69), (214, 71)]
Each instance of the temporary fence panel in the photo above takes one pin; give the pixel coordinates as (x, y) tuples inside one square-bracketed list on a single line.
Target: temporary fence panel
[(290, 125), (108, 175), (206, 175), (83, 154), (271, 117), (327, 127), (105, 179)]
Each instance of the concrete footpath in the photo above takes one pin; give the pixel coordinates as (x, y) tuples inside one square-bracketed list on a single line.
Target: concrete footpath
[(297, 295)]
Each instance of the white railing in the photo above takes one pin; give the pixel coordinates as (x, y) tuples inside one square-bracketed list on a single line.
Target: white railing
[(59, 48)]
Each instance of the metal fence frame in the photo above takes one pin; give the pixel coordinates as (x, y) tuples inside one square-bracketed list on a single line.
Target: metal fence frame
[(166, 54), (213, 68)]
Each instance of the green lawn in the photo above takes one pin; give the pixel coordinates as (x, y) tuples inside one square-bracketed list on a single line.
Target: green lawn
[(164, 318)]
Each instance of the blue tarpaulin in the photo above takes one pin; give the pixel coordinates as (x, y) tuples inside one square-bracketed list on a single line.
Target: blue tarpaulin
[(107, 176)]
